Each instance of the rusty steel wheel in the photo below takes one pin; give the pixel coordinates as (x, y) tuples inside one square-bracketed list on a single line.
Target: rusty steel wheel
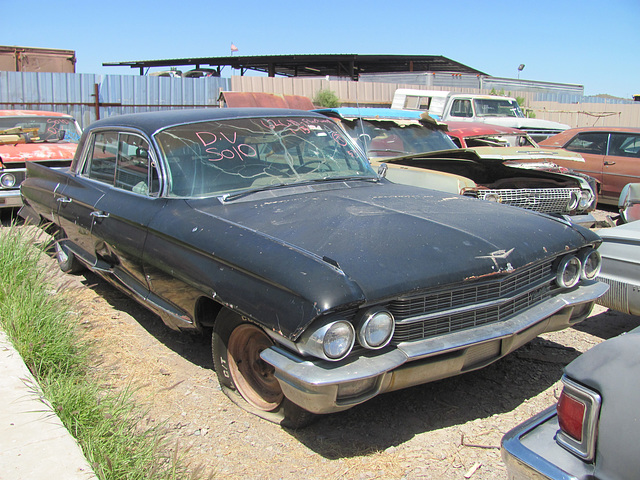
[(254, 378), (249, 382)]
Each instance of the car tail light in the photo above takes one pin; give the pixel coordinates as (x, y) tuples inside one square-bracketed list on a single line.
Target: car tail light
[(578, 412), (571, 416)]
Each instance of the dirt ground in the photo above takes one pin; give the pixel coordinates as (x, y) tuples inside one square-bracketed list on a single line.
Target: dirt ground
[(449, 429)]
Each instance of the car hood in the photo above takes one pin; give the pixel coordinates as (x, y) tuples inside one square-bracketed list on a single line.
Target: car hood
[(389, 239), (36, 152), (628, 233), (526, 154), (525, 123), (494, 154)]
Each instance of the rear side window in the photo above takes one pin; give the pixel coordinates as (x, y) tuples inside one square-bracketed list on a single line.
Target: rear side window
[(122, 160), (624, 145), (593, 143)]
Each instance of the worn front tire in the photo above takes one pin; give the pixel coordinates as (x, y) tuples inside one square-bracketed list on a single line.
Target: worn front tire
[(245, 378)]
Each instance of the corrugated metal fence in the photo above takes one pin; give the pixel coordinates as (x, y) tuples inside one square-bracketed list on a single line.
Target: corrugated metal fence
[(88, 97)]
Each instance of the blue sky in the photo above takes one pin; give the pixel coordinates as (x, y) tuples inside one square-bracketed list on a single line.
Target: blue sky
[(591, 43)]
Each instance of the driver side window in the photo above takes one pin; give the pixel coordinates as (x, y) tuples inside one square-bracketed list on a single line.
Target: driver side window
[(461, 108)]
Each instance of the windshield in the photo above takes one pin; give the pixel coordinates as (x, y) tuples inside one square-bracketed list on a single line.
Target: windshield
[(219, 157), (41, 128), (392, 139), (498, 107)]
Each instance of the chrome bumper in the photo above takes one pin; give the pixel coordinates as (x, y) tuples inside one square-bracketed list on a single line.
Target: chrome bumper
[(325, 387), (10, 198)]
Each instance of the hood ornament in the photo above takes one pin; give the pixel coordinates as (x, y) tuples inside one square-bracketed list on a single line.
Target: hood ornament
[(500, 254)]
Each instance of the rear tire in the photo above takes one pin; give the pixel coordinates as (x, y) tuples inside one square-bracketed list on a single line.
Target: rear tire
[(67, 261), (245, 378)]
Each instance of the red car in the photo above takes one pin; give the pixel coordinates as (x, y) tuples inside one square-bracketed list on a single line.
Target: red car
[(612, 155), (475, 134), (49, 138)]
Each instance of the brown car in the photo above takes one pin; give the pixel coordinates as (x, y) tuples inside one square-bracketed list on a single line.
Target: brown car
[(612, 155)]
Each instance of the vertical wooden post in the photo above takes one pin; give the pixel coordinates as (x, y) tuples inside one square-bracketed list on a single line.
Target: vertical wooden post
[(96, 103)]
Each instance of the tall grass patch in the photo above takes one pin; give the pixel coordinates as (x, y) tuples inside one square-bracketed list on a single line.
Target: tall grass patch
[(38, 314)]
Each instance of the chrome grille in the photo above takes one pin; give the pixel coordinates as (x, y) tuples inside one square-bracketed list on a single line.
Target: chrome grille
[(471, 306), (545, 200)]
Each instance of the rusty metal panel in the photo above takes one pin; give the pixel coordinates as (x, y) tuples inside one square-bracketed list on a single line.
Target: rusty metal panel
[(262, 99), (30, 59)]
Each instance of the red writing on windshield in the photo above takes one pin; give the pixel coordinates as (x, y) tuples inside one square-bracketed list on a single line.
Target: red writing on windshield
[(230, 141)]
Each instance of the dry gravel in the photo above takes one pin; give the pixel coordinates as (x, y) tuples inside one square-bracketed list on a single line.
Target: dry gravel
[(449, 429)]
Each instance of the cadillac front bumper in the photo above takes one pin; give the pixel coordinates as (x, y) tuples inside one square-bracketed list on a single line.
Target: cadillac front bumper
[(324, 387)]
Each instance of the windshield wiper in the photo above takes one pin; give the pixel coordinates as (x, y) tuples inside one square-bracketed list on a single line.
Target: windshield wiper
[(229, 197)]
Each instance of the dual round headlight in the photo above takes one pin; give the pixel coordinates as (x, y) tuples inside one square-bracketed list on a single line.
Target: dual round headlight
[(585, 265), (335, 339), (586, 199), (574, 201), (332, 340), (591, 263), (376, 329), (8, 180), (338, 340)]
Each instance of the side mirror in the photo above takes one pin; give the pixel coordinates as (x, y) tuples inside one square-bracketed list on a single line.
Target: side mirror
[(382, 170)]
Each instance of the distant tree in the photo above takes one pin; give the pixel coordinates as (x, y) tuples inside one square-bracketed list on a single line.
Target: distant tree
[(527, 111), (326, 98)]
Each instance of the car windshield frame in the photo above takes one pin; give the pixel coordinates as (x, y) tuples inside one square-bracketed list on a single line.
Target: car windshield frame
[(497, 107), (42, 128), (392, 138), (226, 157)]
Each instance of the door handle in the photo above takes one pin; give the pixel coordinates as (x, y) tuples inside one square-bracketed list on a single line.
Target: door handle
[(63, 200), (99, 214), (609, 163)]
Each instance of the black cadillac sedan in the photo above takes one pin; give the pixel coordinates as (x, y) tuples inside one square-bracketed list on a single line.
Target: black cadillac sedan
[(323, 284)]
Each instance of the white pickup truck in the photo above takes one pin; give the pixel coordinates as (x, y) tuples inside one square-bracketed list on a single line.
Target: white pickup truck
[(468, 107)]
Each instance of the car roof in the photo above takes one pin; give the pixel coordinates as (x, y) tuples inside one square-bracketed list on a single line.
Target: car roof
[(151, 122), (474, 129), (603, 129), (371, 113), (31, 113), (563, 137)]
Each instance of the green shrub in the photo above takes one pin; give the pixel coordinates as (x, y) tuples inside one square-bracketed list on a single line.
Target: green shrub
[(326, 99)]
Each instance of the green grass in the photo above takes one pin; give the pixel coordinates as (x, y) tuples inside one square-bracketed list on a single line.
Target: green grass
[(43, 325)]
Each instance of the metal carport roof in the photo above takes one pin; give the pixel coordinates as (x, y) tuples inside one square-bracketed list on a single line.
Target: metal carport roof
[(340, 65)]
